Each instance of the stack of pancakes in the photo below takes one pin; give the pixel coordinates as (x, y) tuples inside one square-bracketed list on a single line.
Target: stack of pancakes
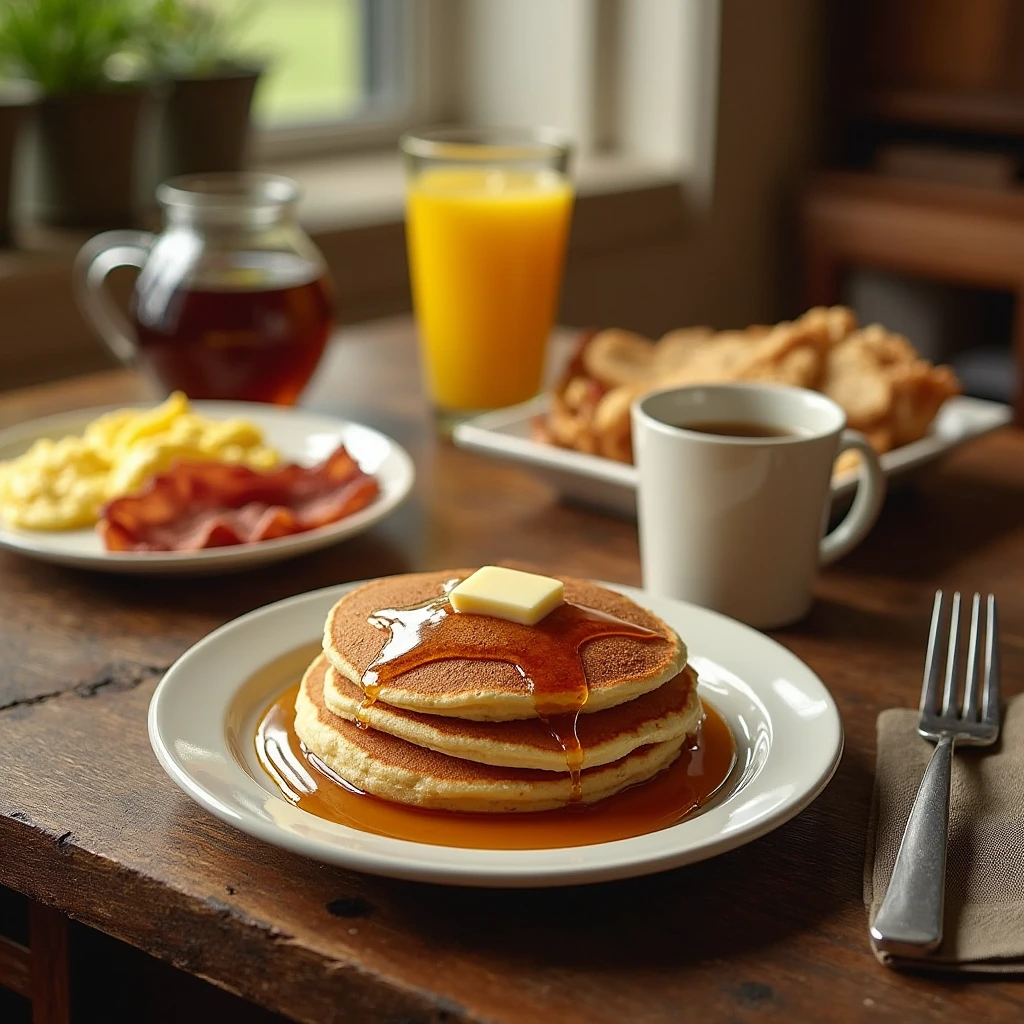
[(461, 734)]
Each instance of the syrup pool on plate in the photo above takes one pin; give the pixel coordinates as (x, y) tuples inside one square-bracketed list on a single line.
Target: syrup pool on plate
[(669, 798)]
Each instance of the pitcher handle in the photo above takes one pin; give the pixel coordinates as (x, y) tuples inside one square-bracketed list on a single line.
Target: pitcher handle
[(97, 258), (867, 503)]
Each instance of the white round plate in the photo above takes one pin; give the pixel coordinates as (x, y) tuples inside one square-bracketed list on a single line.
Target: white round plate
[(300, 436), (202, 724)]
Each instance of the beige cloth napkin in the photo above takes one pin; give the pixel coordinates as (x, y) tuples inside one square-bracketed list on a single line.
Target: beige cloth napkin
[(983, 928)]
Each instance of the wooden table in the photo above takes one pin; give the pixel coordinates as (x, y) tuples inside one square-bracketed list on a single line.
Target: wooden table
[(775, 931)]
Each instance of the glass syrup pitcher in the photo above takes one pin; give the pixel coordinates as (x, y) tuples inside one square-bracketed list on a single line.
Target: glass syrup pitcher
[(232, 301)]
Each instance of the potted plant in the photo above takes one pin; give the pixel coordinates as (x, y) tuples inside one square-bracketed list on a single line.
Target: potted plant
[(16, 99), (210, 84), (88, 117)]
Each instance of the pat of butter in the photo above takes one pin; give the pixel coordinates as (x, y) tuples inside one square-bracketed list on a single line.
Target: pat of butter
[(522, 597)]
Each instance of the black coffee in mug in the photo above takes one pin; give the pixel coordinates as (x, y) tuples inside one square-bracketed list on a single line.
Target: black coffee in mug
[(740, 428)]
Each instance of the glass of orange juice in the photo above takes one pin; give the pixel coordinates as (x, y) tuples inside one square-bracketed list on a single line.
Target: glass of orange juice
[(487, 217)]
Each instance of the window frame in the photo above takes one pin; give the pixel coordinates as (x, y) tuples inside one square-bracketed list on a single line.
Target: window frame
[(426, 70), (397, 38)]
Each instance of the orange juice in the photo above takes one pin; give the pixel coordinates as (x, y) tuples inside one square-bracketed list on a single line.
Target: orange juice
[(486, 248)]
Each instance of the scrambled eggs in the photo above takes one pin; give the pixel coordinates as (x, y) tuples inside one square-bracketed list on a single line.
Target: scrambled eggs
[(62, 485)]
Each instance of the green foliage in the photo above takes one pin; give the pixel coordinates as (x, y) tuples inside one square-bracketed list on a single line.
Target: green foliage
[(188, 37), (83, 45), (67, 45)]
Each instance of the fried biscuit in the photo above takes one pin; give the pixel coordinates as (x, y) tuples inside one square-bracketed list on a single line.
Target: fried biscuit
[(885, 388)]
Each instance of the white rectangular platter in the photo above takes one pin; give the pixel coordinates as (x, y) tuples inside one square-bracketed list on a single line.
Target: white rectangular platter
[(611, 486)]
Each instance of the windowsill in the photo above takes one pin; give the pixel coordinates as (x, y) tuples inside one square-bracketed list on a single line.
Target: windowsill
[(346, 192), (353, 210), (350, 191)]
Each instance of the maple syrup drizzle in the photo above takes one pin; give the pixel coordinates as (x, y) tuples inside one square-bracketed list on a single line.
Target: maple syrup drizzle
[(547, 655), (676, 793)]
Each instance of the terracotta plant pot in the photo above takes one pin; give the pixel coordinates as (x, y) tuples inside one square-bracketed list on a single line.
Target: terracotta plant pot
[(206, 121), (16, 99), (87, 145)]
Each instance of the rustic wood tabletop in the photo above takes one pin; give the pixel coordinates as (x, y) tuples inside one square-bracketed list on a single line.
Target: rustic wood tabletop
[(774, 931)]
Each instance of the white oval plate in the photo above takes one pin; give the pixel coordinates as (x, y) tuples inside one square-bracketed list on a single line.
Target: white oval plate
[(610, 485), (300, 436), (202, 724)]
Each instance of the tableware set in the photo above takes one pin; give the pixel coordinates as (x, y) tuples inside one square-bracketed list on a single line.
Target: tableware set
[(487, 221), (203, 714), (232, 300), (733, 525), (611, 487), (909, 922), (301, 436)]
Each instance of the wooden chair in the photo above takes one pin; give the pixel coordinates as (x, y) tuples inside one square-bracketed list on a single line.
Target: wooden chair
[(957, 233), (39, 971)]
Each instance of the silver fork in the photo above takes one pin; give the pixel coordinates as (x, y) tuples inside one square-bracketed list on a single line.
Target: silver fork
[(909, 922)]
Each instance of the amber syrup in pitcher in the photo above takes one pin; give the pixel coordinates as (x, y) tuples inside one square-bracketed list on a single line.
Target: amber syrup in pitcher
[(252, 328)]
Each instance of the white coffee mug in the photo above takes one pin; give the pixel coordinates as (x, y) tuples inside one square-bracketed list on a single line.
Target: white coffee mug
[(736, 523)]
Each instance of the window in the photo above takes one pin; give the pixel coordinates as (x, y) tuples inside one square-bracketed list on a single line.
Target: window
[(625, 78), (337, 72), (315, 52)]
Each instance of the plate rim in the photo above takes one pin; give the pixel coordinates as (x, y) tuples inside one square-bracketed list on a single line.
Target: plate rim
[(399, 857), (487, 434), (235, 555)]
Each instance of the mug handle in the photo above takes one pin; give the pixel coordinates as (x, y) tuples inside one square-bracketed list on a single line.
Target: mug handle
[(866, 504), (97, 258)]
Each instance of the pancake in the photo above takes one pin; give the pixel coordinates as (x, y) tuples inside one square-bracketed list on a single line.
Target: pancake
[(395, 770), (670, 712), (618, 668)]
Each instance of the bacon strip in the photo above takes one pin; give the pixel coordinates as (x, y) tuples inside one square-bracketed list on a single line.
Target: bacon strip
[(211, 504)]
